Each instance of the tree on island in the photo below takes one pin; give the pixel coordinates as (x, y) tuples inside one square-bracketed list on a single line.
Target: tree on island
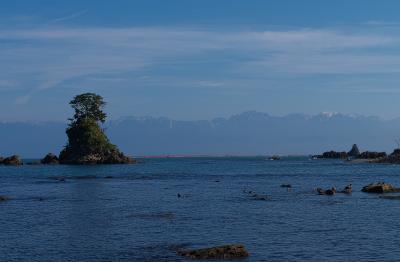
[(87, 142)]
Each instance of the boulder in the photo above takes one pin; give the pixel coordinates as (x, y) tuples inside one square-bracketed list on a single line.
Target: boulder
[(380, 187), (220, 252), (331, 191), (50, 159), (1, 160), (354, 152), (12, 161)]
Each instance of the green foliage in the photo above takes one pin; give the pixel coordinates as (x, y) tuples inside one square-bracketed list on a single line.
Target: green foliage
[(87, 142), (86, 137), (88, 106)]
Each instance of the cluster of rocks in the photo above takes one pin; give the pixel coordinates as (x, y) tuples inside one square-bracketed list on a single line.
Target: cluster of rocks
[(52, 159), (379, 188), (255, 196), (347, 190), (13, 160), (354, 153)]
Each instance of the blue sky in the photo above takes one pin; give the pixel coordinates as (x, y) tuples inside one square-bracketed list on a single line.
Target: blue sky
[(200, 59)]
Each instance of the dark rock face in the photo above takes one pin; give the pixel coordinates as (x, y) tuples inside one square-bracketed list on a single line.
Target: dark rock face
[(1, 160), (393, 158), (372, 155), (50, 159), (334, 155), (220, 252), (12, 161), (354, 152), (380, 188)]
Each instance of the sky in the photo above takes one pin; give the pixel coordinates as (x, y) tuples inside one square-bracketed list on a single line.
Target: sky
[(191, 60)]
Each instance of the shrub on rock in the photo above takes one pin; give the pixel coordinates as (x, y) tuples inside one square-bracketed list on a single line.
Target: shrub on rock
[(87, 142), (12, 161)]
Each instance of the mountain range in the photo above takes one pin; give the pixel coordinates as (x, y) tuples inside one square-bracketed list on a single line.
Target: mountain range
[(248, 133)]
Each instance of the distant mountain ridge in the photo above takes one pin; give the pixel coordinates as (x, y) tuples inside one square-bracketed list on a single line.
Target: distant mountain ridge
[(248, 133)]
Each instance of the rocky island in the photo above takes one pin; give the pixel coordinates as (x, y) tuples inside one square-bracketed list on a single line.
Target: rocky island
[(87, 142)]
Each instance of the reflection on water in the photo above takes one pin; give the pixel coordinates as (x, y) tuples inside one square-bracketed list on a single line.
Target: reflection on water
[(146, 212)]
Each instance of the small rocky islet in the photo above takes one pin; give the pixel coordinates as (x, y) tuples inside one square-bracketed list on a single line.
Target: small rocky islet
[(355, 156), (87, 142)]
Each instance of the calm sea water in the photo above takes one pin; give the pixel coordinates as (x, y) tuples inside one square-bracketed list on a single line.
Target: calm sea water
[(132, 212)]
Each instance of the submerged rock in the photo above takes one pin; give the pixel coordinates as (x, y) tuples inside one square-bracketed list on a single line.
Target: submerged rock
[(275, 157), (380, 187), (348, 189), (331, 191), (390, 197), (50, 159), (260, 197), (220, 252), (12, 161), (286, 185), (4, 198)]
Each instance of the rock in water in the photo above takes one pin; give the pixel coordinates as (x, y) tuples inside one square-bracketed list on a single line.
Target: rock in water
[(220, 252), (1, 160), (12, 161), (380, 187), (50, 159), (87, 142), (354, 152)]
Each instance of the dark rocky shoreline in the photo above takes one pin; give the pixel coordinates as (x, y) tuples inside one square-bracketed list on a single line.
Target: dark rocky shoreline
[(354, 155)]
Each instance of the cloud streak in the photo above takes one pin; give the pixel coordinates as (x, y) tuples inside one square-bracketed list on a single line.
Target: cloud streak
[(50, 56)]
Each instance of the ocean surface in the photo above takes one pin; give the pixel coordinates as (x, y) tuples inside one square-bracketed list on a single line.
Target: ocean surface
[(133, 212)]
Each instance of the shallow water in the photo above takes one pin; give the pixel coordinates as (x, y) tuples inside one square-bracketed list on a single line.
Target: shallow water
[(132, 212)]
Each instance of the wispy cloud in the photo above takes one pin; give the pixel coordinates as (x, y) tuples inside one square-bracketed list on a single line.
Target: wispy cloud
[(68, 17), (55, 55)]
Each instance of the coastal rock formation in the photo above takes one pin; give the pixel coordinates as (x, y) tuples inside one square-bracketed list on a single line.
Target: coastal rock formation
[(87, 142), (380, 187), (1, 160), (220, 252), (354, 152), (372, 155), (12, 161), (334, 155), (50, 159)]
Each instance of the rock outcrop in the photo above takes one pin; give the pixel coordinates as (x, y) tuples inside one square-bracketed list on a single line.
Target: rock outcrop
[(87, 141), (1, 160), (372, 155), (12, 161), (380, 188), (219, 252), (50, 159), (354, 152), (334, 155)]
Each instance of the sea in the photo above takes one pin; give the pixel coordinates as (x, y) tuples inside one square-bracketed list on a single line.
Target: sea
[(150, 210)]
